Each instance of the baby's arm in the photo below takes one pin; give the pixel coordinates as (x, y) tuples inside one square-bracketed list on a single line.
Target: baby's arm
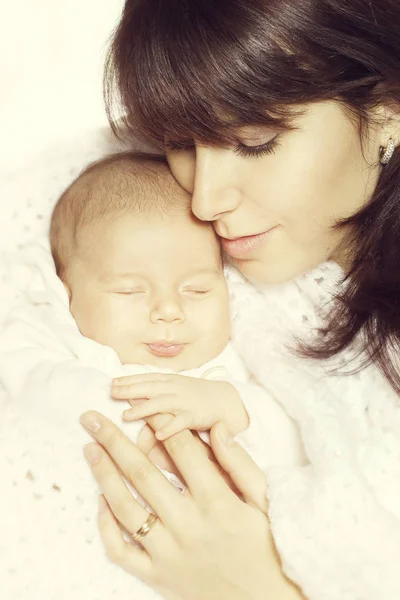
[(196, 403)]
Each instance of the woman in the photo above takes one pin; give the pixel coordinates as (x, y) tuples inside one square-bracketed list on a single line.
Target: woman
[(282, 119)]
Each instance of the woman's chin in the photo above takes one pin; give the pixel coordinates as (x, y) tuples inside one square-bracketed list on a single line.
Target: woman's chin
[(259, 273), (285, 267)]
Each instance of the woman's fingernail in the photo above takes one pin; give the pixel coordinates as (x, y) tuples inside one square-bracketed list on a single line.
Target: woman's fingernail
[(90, 421), (92, 453), (224, 435), (102, 504)]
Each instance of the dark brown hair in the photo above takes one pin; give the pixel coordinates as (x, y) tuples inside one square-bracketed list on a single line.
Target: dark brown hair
[(178, 67)]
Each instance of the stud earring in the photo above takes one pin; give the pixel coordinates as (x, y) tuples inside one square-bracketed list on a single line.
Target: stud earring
[(387, 153)]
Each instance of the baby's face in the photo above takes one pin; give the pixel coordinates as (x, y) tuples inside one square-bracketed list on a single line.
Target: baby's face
[(152, 289)]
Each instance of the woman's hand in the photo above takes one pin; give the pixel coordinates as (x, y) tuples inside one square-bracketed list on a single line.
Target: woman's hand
[(157, 453), (207, 543)]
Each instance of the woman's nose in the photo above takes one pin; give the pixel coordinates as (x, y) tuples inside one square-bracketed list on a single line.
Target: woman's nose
[(167, 310), (215, 190)]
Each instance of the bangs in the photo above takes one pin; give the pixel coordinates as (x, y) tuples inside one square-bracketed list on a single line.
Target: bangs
[(196, 69)]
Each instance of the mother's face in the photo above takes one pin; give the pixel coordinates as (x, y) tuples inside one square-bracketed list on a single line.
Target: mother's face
[(291, 188)]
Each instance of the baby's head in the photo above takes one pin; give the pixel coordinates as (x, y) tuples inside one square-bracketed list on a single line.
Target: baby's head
[(143, 275)]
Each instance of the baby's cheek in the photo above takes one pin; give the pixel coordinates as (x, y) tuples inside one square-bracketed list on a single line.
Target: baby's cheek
[(96, 320), (219, 332), (86, 316)]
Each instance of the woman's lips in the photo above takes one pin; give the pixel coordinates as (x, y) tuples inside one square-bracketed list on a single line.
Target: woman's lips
[(164, 350), (240, 247)]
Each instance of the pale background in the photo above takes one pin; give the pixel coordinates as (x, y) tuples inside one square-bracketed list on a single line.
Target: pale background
[(51, 59), (52, 117)]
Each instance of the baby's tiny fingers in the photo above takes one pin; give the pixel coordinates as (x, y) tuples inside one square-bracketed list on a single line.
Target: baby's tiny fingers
[(151, 407), (130, 415), (144, 378), (179, 423), (141, 390)]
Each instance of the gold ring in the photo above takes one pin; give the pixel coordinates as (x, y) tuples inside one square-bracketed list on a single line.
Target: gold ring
[(145, 528)]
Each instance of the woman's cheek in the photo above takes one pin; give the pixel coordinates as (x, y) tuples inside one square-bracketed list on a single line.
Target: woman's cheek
[(183, 168)]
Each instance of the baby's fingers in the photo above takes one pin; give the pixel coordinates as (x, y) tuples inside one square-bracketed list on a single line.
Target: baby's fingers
[(147, 408), (144, 378), (137, 391), (179, 423)]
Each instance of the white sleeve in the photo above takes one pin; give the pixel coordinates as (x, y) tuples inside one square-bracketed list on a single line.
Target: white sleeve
[(47, 380), (272, 438)]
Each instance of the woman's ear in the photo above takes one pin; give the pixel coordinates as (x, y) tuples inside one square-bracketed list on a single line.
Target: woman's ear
[(390, 124)]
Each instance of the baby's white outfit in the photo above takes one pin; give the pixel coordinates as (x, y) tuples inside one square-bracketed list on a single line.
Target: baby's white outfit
[(52, 374)]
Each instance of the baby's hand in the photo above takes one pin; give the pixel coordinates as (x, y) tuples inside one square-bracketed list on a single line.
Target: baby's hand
[(196, 403)]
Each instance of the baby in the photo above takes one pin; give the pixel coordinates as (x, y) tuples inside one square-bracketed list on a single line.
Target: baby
[(140, 300), (145, 278)]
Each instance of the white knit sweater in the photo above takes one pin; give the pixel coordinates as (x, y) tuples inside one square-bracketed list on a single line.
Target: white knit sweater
[(336, 521)]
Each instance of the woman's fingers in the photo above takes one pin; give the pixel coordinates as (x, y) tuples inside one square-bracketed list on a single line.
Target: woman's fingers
[(124, 506), (134, 560), (137, 468), (201, 475), (243, 471), (158, 421)]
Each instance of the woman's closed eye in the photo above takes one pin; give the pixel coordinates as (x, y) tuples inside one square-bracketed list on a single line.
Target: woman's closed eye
[(259, 150), (241, 149)]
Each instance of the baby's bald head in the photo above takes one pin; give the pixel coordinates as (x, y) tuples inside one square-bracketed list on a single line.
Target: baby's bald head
[(125, 183)]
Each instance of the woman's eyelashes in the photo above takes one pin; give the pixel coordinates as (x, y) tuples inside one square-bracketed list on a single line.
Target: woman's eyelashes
[(241, 149), (260, 150)]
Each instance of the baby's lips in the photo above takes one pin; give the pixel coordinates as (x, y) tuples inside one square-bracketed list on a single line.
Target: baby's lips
[(165, 349)]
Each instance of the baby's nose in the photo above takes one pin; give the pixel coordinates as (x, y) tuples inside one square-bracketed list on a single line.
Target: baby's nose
[(168, 310)]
